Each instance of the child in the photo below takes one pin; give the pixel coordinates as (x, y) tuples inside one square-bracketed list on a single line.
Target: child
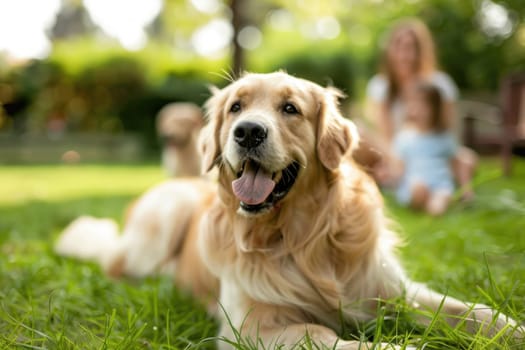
[(425, 151)]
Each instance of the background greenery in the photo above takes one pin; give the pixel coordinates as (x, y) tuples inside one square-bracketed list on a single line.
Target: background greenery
[(474, 253), (96, 85)]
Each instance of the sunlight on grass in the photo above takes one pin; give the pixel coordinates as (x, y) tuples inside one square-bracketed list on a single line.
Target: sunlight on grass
[(474, 252), (19, 184)]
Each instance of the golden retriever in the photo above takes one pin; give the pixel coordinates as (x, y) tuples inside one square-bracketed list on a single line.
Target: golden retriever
[(292, 241), (178, 128)]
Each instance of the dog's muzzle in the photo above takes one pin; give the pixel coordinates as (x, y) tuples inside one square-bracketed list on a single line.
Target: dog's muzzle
[(257, 188)]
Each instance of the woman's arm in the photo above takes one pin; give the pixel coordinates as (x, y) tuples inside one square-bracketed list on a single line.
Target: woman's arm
[(385, 125), (379, 115), (449, 114), (450, 94), (378, 112)]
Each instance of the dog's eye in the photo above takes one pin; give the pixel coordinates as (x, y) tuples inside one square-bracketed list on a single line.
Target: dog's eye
[(235, 107), (289, 108)]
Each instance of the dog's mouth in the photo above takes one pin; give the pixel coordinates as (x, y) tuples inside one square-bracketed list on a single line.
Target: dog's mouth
[(258, 189)]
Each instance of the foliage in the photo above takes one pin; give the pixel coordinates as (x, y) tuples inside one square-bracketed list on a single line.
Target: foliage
[(91, 84), (474, 252), (474, 59), (327, 69), (110, 93)]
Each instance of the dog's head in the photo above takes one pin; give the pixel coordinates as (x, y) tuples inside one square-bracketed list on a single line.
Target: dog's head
[(268, 131)]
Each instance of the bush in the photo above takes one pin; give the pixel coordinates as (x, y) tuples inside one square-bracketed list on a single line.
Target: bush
[(113, 95), (334, 68), (138, 114)]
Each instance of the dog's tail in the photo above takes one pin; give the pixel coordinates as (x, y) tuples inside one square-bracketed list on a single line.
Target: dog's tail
[(90, 239), (153, 236)]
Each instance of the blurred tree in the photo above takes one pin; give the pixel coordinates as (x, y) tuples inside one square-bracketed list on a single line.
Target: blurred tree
[(72, 20), (476, 59), (238, 20)]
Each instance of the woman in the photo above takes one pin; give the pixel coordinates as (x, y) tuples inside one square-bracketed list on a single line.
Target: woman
[(409, 58)]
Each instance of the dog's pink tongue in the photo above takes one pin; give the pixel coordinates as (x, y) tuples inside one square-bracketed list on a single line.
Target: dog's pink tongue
[(254, 185)]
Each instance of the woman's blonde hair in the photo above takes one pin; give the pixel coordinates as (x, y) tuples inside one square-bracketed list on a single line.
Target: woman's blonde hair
[(426, 57)]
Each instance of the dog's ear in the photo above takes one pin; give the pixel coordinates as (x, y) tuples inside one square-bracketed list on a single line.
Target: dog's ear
[(209, 141), (335, 135)]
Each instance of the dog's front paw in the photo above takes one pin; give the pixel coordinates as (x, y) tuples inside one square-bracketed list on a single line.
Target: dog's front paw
[(354, 345), (519, 332), (491, 322)]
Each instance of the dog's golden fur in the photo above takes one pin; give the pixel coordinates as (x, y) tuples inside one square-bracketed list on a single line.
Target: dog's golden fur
[(324, 251)]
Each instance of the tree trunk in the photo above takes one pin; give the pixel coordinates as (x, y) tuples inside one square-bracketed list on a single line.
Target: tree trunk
[(238, 21)]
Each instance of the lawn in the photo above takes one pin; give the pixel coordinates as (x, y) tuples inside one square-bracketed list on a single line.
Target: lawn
[(476, 252)]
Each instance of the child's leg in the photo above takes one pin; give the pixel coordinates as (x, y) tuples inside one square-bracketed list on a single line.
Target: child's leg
[(438, 202), (419, 195)]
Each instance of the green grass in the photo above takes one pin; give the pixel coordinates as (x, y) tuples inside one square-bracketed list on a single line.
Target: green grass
[(476, 252)]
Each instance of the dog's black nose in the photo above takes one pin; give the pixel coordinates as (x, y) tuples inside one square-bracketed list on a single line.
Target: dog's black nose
[(249, 134)]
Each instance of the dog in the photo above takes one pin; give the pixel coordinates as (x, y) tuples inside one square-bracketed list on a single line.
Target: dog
[(178, 128), (292, 240)]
